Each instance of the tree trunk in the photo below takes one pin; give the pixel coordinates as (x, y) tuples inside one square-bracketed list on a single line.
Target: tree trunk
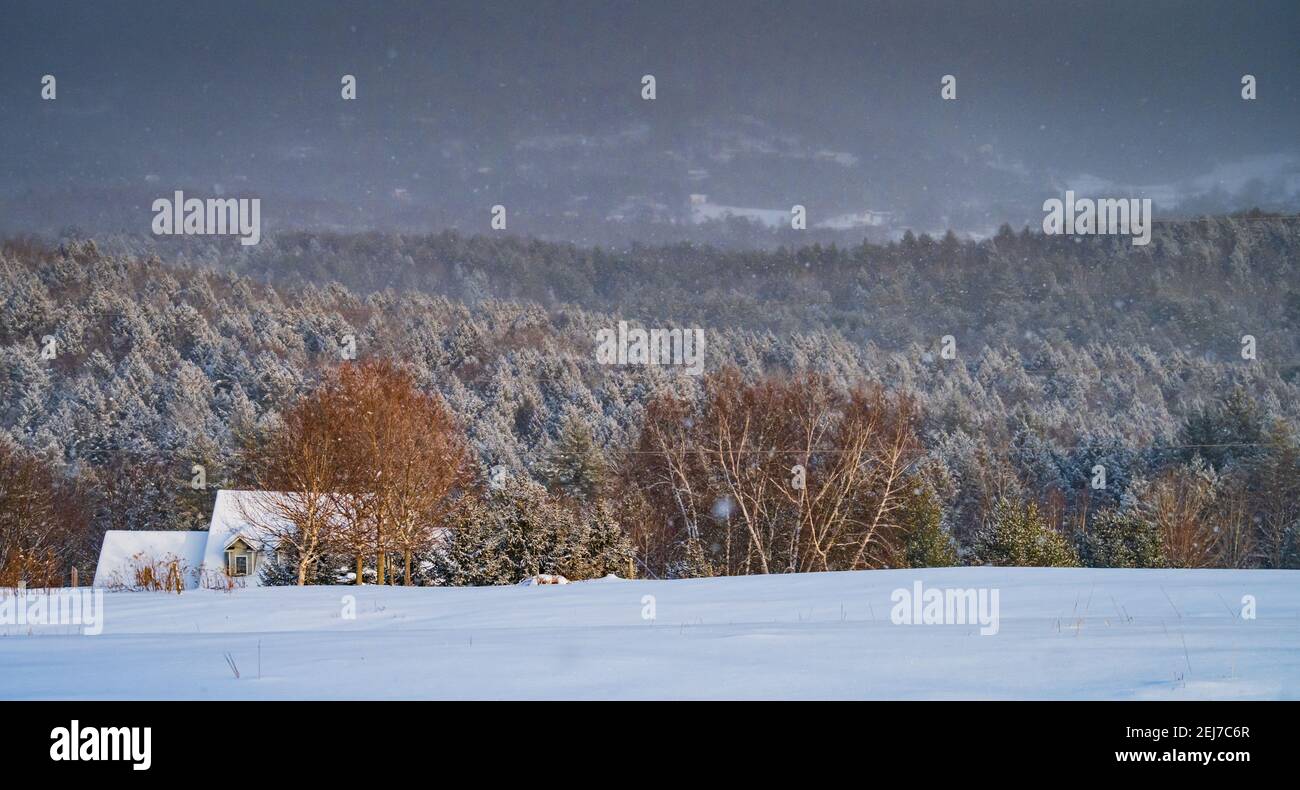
[(406, 577), (359, 568), (380, 578)]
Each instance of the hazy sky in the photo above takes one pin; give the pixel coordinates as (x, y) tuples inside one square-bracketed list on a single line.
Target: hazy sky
[(536, 105)]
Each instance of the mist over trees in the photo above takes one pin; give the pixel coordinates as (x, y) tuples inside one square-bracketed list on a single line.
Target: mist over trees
[(121, 373)]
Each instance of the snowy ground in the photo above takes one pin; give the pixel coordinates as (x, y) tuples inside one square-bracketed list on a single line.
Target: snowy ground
[(1062, 634)]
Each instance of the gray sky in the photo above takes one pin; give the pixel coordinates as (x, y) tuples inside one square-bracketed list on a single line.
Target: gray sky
[(536, 105)]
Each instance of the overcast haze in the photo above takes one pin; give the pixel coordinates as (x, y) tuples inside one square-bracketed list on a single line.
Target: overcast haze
[(537, 106)]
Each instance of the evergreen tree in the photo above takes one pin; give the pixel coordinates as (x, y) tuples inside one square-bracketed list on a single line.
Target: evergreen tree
[(929, 543), (601, 546), (1230, 431), (575, 467), (518, 531), (1123, 539), (281, 570), (1021, 537)]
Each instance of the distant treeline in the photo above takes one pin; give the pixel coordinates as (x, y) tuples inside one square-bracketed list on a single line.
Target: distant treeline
[(1197, 287)]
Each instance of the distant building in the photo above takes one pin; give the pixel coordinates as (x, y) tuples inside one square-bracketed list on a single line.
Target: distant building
[(703, 211), (859, 219)]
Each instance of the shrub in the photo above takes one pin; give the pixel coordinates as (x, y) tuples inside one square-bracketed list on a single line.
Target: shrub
[(155, 574)]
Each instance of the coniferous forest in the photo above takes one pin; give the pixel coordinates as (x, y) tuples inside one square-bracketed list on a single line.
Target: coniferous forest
[(1020, 400)]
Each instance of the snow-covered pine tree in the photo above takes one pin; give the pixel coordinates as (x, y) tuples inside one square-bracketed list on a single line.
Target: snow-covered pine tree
[(1122, 538), (1019, 536), (575, 467)]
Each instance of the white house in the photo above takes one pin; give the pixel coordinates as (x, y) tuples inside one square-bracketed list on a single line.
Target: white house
[(229, 549)]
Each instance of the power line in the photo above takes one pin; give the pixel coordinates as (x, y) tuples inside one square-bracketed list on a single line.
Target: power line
[(832, 451)]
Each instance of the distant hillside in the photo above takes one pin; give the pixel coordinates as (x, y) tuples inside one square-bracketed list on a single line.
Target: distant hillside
[(1197, 288), (1065, 351)]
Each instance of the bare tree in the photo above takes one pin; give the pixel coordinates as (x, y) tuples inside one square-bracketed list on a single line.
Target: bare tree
[(779, 475), (400, 458), (423, 463), (1233, 525), (44, 521), (1180, 502), (1278, 472), (299, 471)]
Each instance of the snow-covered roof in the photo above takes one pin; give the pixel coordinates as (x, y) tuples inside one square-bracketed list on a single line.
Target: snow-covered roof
[(120, 556), (203, 552), (230, 519)]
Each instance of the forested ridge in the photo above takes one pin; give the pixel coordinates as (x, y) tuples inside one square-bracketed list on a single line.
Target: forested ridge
[(1069, 355), (1188, 289)]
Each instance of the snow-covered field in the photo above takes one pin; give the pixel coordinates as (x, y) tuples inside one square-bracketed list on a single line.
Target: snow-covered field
[(1061, 634)]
